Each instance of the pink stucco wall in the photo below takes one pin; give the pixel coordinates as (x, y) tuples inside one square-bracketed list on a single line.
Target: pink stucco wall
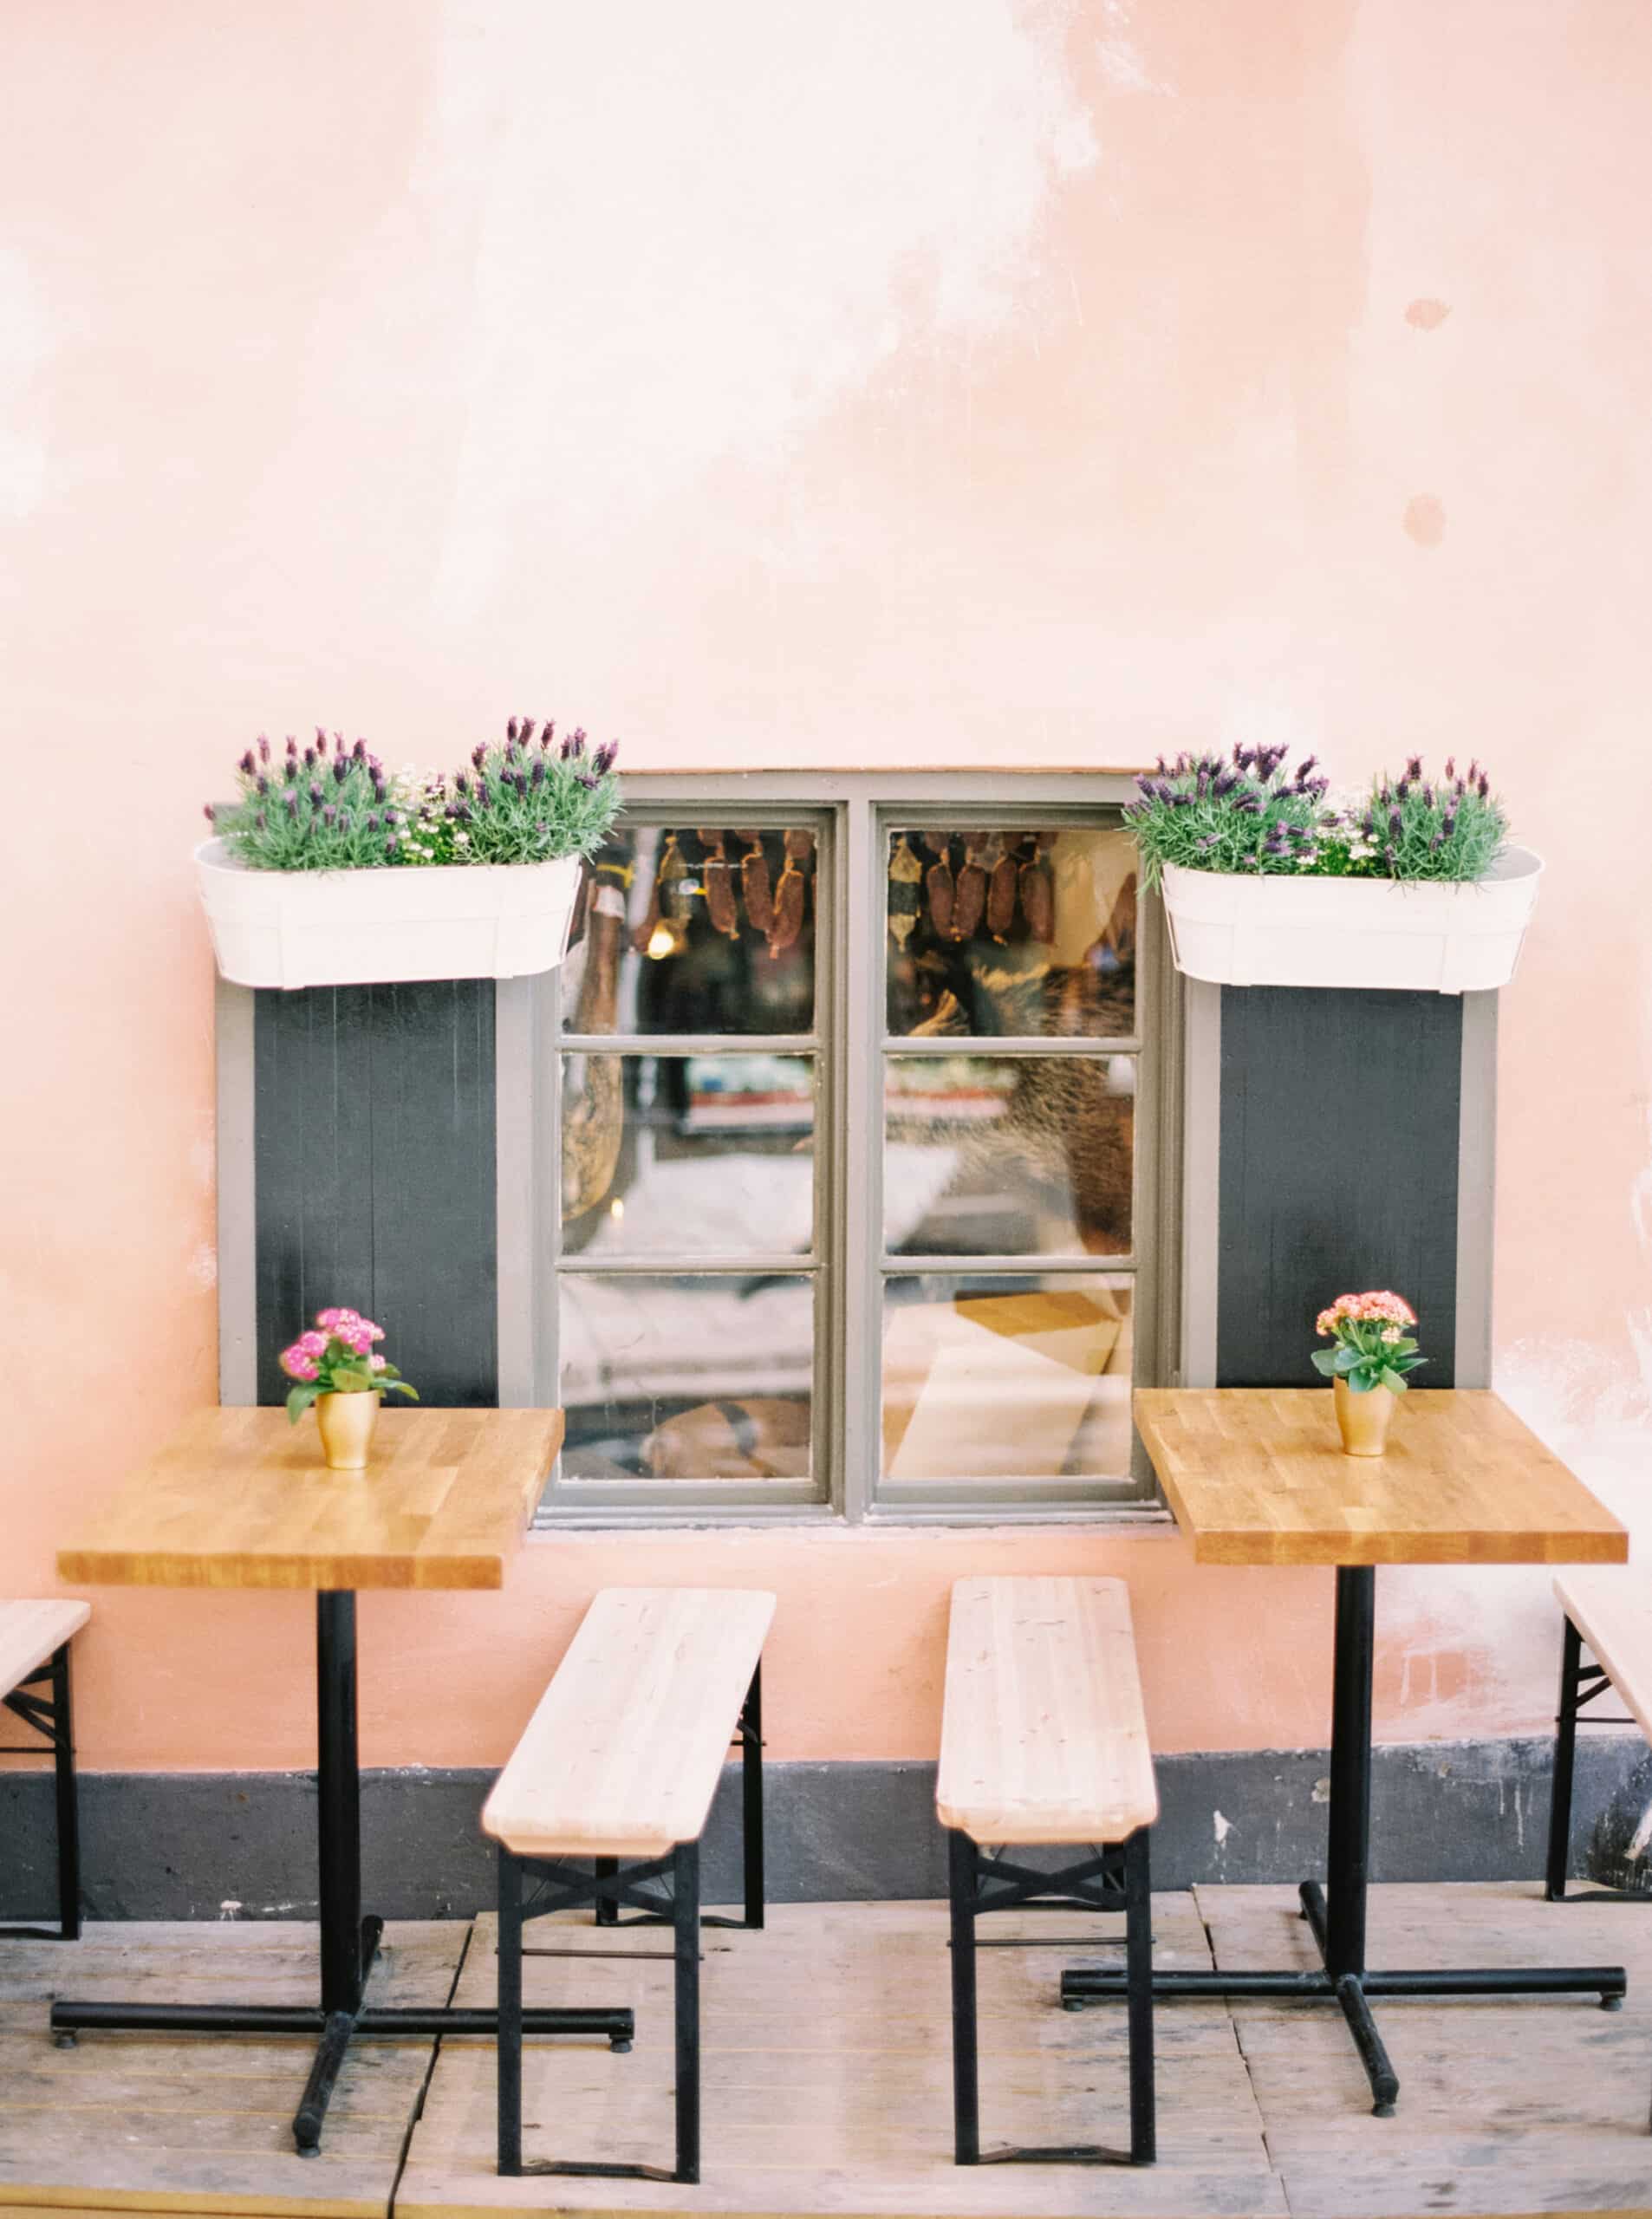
[(955, 381)]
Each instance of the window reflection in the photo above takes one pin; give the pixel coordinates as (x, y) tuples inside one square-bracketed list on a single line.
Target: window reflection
[(1008, 931), (1006, 1379), (695, 1378), (694, 1157), (1008, 1155)]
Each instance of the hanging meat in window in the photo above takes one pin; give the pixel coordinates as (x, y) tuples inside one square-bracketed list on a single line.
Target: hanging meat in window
[(718, 876), (789, 894), (754, 883)]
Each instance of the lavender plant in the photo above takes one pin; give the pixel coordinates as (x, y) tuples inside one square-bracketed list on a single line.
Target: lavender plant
[(329, 808), (1243, 814), (323, 808), (1415, 827), (529, 800)]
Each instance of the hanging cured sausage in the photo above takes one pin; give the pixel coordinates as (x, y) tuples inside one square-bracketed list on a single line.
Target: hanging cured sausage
[(789, 894), (718, 876), (754, 883), (1000, 895), (906, 876), (969, 896)]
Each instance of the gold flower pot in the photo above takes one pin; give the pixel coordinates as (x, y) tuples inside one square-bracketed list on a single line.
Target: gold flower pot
[(1363, 1419), (347, 1422)]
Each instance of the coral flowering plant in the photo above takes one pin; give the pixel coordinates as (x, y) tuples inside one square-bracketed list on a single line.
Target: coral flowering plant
[(337, 1357), (1372, 1343)]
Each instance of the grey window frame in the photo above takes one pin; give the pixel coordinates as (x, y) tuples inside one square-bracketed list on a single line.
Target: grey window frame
[(851, 811)]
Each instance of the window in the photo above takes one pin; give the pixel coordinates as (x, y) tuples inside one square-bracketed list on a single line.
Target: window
[(862, 1197)]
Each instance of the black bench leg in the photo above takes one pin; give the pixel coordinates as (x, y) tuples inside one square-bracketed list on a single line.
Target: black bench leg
[(751, 1796), (962, 1860), (509, 1999), (607, 1908), (69, 1807), (1565, 1754), (685, 1951), (1138, 1949)]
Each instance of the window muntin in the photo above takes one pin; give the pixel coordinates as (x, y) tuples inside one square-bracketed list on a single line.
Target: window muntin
[(1099, 1002)]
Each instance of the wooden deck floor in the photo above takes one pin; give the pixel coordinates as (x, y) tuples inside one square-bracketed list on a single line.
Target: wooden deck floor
[(826, 2072)]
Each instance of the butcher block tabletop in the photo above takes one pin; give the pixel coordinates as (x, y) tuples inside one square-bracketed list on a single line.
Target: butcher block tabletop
[(1256, 1475), (240, 1498)]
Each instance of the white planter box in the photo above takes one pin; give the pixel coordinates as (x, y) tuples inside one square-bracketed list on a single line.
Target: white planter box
[(1268, 931), (368, 927)]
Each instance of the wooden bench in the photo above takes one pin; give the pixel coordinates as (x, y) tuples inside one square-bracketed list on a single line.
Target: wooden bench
[(1044, 1742), (618, 1764), (1608, 1608), (35, 1687)]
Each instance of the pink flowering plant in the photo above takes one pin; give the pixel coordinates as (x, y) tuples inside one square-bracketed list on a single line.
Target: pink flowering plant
[(1371, 1341), (337, 1357)]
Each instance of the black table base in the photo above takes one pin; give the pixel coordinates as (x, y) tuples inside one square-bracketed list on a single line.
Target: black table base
[(349, 1943), (1335, 1915)]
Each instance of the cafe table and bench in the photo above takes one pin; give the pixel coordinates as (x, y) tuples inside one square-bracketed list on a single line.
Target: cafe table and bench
[(1255, 1476), (35, 1640), (238, 1498)]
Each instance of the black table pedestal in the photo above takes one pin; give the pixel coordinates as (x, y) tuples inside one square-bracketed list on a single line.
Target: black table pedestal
[(350, 1943), (1335, 1915)]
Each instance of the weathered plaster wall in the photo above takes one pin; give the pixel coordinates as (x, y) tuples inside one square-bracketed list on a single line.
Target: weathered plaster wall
[(957, 381)]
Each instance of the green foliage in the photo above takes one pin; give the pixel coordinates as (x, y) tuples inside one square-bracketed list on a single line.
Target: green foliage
[(528, 802), (1365, 1357), (327, 808), (1246, 815), (1242, 815)]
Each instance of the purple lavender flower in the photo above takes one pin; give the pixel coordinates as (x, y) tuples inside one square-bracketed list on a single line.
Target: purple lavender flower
[(209, 812), (1223, 785), (289, 802), (292, 748), (1248, 806), (316, 797), (461, 784), (262, 820), (247, 765), (479, 756), (524, 731), (329, 815), (545, 732), (371, 820), (1436, 843), (1402, 790), (320, 738), (263, 748), (393, 816), (1203, 785), (359, 750), (1177, 801), (1484, 789), (537, 776), (310, 758), (1451, 766), (579, 739), (591, 785), (511, 733), (1397, 824), (390, 846), (567, 747), (1449, 824), (605, 757), (1429, 797), (1473, 771), (1144, 784), (263, 785), (1307, 764), (1413, 768), (459, 812), (1392, 861), (340, 769)]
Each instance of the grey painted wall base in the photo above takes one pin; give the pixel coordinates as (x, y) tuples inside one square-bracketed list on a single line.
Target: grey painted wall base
[(242, 1844)]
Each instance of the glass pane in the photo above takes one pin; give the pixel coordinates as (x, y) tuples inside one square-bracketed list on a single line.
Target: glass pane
[(1008, 1155), (1013, 932), (687, 1378), (690, 1157), (1006, 1379), (695, 931)]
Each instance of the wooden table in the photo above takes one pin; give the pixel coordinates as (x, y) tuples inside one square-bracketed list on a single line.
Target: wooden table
[(238, 1498), (1257, 1476)]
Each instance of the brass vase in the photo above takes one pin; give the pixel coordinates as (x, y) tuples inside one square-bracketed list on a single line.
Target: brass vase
[(1362, 1419), (347, 1422)]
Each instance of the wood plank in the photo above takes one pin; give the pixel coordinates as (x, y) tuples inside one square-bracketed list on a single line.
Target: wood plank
[(31, 1632), (170, 2123), (1611, 1607), (1256, 1475), (810, 2110), (240, 1498), (1044, 1738), (623, 1754)]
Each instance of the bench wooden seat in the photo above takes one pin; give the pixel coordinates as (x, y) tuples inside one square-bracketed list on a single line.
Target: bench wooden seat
[(1044, 1743), (1609, 1609), (35, 1639), (1044, 1738), (617, 1768), (624, 1752)]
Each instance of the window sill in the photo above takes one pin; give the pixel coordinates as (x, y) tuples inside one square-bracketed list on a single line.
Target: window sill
[(1125, 1520)]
